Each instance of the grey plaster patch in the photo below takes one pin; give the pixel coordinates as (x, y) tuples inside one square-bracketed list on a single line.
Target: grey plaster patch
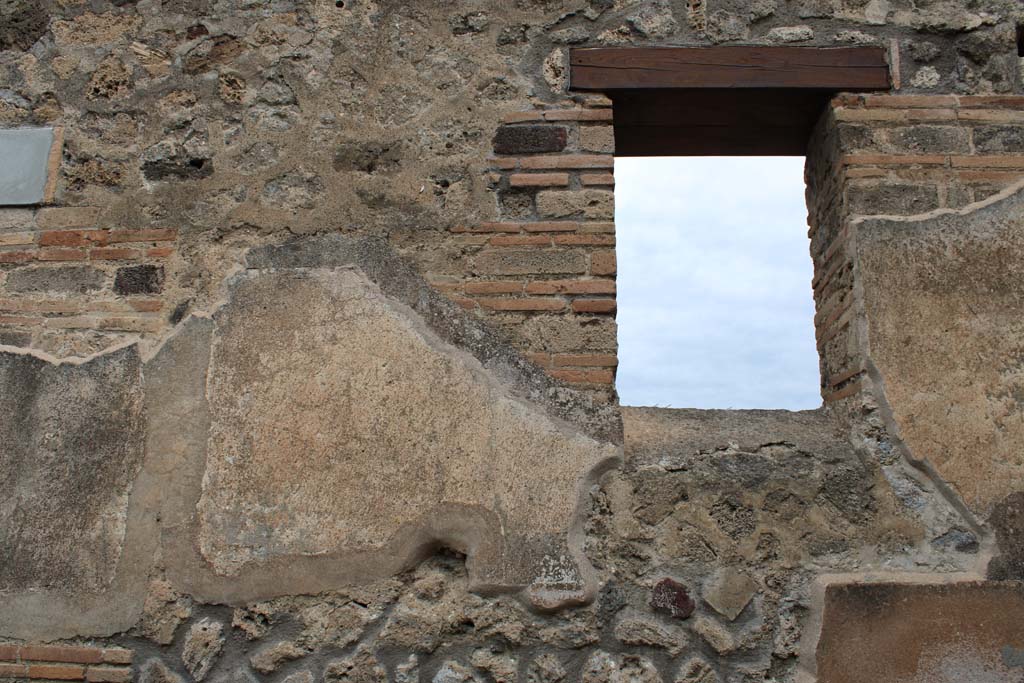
[(73, 432), (69, 433), (23, 173)]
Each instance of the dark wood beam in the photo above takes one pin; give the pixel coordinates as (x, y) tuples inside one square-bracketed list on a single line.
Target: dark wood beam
[(851, 69)]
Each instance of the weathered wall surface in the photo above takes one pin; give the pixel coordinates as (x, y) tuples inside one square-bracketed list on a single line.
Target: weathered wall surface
[(257, 241)]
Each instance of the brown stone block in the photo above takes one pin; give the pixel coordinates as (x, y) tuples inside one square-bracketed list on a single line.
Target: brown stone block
[(55, 218), (71, 655), (604, 360)]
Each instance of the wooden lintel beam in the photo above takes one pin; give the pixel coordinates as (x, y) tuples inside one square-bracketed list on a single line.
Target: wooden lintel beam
[(852, 69)]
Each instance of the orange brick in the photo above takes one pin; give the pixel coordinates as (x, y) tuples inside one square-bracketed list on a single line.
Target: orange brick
[(594, 305), (602, 263), (56, 672), (603, 360), (571, 287), (568, 161), (551, 226), (539, 180), (578, 115), (56, 653), (62, 255), (108, 674), (520, 240), (494, 287), (586, 240), (113, 254), (17, 256), (467, 304), (71, 323), (159, 252), (597, 179), (162, 235), (527, 304), (13, 670), (849, 390), (117, 655), (8, 653), (584, 376)]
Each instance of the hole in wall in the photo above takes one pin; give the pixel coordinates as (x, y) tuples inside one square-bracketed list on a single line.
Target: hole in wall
[(340, 4), (1020, 40), (715, 307)]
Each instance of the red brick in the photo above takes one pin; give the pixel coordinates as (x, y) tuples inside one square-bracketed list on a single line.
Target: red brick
[(8, 653), (163, 235), (602, 263), (159, 252), (597, 227), (17, 256), (56, 672), (467, 304), (597, 179), (108, 674), (571, 287), (539, 180), (849, 390), (113, 254), (586, 240), (13, 670), (584, 376), (129, 324), (594, 305), (991, 115), (520, 240), (493, 287), (568, 161), (578, 115), (117, 655), (62, 255), (56, 653), (998, 177), (604, 360), (73, 238), (527, 304)]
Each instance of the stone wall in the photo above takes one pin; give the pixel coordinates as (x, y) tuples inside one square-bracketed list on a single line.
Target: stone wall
[(308, 357)]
